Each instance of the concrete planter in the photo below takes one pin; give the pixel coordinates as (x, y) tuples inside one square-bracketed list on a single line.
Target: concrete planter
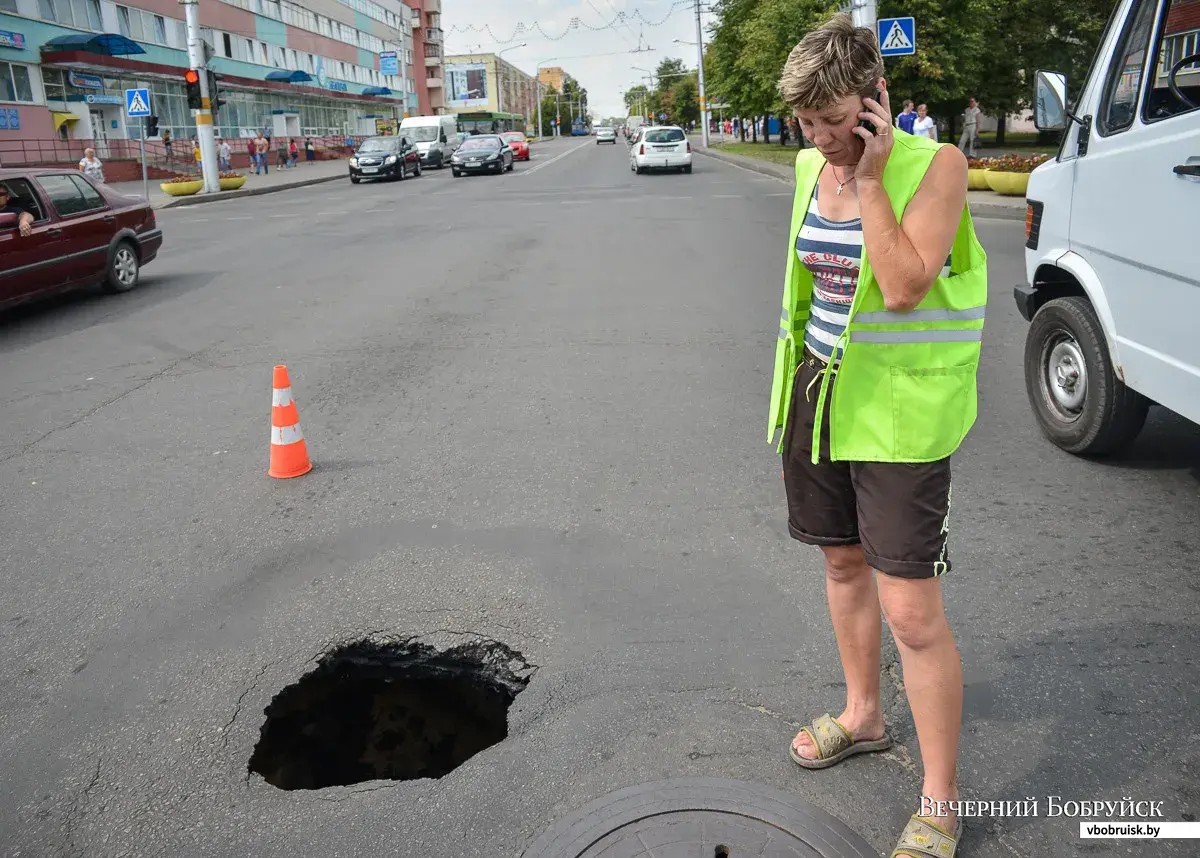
[(232, 184), (181, 189), (1007, 184), (977, 179)]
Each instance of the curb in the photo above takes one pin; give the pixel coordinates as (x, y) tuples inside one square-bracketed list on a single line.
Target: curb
[(778, 171), (252, 192)]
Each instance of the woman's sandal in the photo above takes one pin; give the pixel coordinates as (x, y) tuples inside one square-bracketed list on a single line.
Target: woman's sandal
[(922, 838), (834, 743)]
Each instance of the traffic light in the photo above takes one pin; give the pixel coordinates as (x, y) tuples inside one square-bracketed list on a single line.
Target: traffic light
[(151, 126), (214, 91), (191, 79)]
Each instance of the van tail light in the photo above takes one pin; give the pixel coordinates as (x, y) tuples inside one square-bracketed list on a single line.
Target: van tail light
[(1033, 223), (642, 149)]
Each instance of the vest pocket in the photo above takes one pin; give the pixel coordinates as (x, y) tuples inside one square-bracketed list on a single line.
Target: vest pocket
[(930, 406)]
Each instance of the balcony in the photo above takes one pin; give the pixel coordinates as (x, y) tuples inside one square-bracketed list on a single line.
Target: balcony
[(433, 6), (433, 35), (433, 82), (433, 55)]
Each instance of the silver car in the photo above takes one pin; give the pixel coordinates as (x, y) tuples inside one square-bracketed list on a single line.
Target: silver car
[(604, 134)]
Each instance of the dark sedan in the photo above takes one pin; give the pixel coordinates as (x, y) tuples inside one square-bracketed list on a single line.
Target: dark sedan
[(78, 233), (484, 153), (385, 158)]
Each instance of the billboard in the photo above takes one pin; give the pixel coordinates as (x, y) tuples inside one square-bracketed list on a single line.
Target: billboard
[(466, 85)]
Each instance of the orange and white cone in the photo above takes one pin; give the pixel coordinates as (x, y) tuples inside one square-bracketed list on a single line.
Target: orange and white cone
[(289, 453)]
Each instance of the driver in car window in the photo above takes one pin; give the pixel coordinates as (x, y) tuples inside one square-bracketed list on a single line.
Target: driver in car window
[(7, 206)]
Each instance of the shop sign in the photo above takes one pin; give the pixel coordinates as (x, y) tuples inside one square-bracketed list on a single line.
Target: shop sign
[(106, 99), (10, 119), (85, 81), (338, 86), (9, 39)]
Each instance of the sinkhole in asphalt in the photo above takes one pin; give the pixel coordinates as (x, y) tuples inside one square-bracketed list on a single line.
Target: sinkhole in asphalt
[(388, 711)]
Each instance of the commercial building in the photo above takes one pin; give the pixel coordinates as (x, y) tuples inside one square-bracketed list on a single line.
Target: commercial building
[(553, 77), (312, 68), (483, 87)]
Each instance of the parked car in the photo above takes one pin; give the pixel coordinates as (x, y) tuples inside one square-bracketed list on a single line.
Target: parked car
[(484, 153), (83, 233), (519, 144), (387, 157), (1111, 289), (604, 134), (661, 147)]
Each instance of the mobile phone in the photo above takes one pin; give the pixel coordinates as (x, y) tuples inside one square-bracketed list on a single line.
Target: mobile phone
[(866, 123)]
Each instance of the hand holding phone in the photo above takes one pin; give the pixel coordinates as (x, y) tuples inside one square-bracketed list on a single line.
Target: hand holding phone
[(867, 123)]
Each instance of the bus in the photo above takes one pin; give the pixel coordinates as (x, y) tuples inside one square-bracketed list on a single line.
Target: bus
[(487, 122)]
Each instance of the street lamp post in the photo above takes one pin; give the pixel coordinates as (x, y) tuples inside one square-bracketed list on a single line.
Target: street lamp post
[(500, 74)]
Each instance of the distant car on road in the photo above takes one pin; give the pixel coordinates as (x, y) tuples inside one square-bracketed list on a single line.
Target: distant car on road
[(83, 233), (661, 147), (485, 153), (519, 144), (386, 157), (604, 134)]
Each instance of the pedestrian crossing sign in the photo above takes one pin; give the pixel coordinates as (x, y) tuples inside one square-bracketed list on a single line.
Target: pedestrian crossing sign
[(897, 36), (137, 102)]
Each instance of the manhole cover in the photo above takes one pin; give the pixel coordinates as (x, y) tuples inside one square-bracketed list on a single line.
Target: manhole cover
[(398, 710), (699, 818)]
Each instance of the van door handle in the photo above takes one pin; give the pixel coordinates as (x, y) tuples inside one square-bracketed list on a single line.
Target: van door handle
[(109, 218), (1187, 169)]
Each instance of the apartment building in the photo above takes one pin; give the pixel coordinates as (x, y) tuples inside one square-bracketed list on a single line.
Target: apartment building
[(429, 47), (553, 77), (484, 86), (291, 67)]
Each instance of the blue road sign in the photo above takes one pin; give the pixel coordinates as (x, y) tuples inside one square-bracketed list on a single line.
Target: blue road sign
[(137, 102), (897, 36)]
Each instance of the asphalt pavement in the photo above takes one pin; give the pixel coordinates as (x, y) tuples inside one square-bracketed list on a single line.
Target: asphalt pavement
[(536, 404)]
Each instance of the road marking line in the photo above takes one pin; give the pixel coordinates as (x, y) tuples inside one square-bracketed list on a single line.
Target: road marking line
[(557, 157), (286, 215), (240, 217), (368, 211), (779, 195)]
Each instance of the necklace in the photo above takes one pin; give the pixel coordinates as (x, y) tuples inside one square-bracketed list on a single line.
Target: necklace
[(841, 184)]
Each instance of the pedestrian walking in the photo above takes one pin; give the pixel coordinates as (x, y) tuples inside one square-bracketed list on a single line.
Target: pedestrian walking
[(906, 117), (293, 153), (91, 166), (166, 141), (225, 155), (310, 151), (970, 135), (261, 147), (870, 415), (281, 155), (925, 125)]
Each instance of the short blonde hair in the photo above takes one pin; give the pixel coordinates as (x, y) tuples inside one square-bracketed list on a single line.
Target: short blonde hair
[(831, 62)]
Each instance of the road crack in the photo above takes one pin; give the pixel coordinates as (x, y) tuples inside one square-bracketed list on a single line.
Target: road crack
[(73, 812)]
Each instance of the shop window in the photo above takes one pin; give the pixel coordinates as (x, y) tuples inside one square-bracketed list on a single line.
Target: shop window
[(8, 6)]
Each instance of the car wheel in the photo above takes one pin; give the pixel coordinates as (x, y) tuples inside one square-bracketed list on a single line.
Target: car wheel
[(123, 269), (354, 180), (457, 173), (511, 164), (1079, 402), (417, 170), (688, 168)]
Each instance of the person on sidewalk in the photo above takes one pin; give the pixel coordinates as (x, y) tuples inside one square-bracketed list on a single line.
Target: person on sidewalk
[(925, 125), (261, 147), (970, 135), (872, 400), (91, 166), (310, 151), (293, 153), (906, 117), (225, 155)]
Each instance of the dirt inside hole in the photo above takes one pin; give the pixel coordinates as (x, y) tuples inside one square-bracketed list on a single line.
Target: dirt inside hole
[(391, 711)]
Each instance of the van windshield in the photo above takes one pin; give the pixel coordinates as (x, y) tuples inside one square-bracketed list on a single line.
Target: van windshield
[(423, 133)]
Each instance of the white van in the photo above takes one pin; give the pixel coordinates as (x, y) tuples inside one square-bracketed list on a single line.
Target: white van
[(436, 137), (1113, 235)]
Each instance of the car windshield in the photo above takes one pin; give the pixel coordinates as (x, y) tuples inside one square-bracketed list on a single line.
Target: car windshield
[(512, 136), (423, 133), (664, 135), (480, 143), (380, 144)]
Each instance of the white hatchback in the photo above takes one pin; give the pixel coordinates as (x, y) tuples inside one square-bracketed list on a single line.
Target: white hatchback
[(661, 147)]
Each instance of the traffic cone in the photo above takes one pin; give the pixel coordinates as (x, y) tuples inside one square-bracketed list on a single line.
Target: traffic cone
[(289, 453)]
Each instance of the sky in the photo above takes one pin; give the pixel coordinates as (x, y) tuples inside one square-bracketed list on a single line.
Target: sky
[(601, 60)]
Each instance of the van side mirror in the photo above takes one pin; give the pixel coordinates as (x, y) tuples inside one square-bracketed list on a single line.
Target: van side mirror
[(8, 220), (1050, 101)]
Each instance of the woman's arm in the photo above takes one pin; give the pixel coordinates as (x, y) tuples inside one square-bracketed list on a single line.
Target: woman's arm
[(907, 257)]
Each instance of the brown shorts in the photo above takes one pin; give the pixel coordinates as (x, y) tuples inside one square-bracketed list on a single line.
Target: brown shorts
[(899, 513)]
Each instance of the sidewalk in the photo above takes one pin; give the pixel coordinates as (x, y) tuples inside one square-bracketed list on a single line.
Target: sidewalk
[(983, 203), (276, 180)]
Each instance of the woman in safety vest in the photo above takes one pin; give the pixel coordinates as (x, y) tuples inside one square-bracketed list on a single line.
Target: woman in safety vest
[(874, 389)]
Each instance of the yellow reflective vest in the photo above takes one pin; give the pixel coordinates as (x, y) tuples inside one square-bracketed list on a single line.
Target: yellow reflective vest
[(905, 388)]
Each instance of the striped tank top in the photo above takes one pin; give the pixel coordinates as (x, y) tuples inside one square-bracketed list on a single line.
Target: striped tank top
[(830, 250)]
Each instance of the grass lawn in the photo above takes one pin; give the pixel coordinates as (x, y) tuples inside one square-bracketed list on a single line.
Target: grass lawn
[(764, 152)]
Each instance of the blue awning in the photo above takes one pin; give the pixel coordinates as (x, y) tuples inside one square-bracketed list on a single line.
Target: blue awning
[(289, 76), (376, 90), (108, 44)]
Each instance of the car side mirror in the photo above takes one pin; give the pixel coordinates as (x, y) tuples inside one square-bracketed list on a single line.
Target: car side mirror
[(8, 220), (1050, 101)]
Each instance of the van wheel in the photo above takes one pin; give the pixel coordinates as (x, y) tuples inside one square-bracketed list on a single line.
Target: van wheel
[(1076, 396), (123, 269)]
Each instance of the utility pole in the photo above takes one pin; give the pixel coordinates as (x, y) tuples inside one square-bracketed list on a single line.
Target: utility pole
[(700, 66), (209, 168), (863, 12), (539, 98)]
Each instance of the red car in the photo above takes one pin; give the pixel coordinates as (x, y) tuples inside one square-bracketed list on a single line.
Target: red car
[(83, 233), (518, 143)]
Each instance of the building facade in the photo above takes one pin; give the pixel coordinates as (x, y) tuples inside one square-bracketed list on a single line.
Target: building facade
[(313, 68), (428, 45), (487, 83), (553, 77)]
